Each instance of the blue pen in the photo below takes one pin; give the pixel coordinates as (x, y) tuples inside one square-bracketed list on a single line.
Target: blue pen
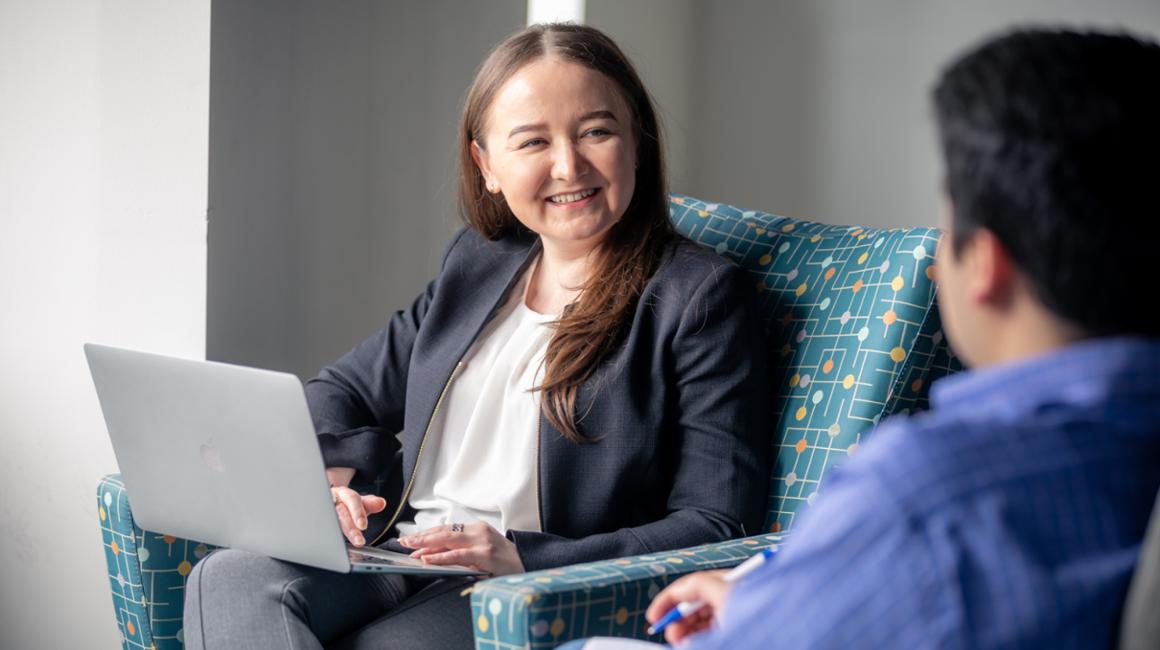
[(684, 609)]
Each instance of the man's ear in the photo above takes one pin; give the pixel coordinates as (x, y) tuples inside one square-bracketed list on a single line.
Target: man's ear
[(991, 271), (481, 161)]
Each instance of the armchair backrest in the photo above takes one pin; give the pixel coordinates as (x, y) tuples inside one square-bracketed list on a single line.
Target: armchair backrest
[(854, 333)]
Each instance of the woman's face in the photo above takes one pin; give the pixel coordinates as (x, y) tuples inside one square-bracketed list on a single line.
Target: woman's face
[(558, 143)]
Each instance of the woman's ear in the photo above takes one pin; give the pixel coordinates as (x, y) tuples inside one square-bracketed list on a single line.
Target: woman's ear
[(479, 155)]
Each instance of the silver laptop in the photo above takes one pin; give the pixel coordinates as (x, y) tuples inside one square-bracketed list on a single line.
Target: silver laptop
[(228, 455)]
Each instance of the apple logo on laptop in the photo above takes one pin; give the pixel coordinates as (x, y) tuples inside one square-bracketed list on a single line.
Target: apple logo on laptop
[(212, 457)]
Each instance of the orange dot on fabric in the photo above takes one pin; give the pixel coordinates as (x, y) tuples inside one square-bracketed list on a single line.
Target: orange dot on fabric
[(852, 448), (678, 199), (788, 227), (785, 350), (801, 413), (622, 616), (916, 385), (827, 366), (750, 226), (702, 214), (116, 549), (557, 627), (184, 568), (482, 623), (132, 629), (897, 355), (931, 273), (802, 288), (760, 287), (856, 232), (897, 283), (765, 259), (793, 381), (830, 272), (848, 381), (101, 511), (862, 236), (169, 539), (863, 257), (815, 239), (776, 527), (760, 231), (857, 286), (889, 317), (787, 318), (800, 446)]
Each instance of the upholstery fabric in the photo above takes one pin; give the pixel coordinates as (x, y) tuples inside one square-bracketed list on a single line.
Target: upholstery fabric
[(146, 570)]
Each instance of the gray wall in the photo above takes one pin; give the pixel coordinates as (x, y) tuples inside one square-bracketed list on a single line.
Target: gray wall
[(332, 133), (819, 109), (332, 166)]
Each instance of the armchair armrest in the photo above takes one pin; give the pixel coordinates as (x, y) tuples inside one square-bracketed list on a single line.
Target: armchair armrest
[(543, 609), (147, 572)]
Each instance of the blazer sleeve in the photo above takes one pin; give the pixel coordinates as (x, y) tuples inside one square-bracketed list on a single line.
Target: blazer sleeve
[(357, 403), (719, 467)]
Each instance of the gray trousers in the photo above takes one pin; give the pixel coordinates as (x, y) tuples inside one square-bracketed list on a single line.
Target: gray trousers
[(236, 599)]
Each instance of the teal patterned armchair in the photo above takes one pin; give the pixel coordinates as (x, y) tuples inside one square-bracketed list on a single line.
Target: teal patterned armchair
[(855, 337)]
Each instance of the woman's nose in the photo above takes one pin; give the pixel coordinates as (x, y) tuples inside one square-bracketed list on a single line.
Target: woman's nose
[(567, 162)]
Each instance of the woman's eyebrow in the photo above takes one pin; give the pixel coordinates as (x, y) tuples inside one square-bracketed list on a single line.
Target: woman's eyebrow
[(591, 115)]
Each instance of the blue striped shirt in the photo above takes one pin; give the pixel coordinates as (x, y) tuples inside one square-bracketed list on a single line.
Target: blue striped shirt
[(1010, 515)]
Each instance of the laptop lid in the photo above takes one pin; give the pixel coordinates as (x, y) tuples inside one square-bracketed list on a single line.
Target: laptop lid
[(219, 453)]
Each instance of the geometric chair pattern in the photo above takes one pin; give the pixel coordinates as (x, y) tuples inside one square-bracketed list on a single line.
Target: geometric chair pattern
[(147, 572), (854, 337)]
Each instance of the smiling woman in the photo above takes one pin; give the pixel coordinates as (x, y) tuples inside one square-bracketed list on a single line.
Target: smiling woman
[(578, 382)]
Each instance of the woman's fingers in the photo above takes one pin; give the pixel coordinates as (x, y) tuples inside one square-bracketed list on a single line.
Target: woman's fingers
[(352, 517), (461, 556), (476, 545), (443, 537), (373, 504)]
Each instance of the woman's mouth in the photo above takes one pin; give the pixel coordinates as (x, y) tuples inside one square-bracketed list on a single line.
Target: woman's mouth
[(572, 199)]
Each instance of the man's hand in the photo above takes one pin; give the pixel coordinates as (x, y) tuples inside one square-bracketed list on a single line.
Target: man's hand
[(706, 586), (475, 545)]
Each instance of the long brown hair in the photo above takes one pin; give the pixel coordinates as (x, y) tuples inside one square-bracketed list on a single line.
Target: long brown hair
[(591, 328)]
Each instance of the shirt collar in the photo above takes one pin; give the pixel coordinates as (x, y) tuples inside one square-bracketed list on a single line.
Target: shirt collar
[(1090, 371)]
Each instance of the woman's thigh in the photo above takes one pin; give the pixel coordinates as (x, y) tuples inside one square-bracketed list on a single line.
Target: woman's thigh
[(240, 599), (436, 616)]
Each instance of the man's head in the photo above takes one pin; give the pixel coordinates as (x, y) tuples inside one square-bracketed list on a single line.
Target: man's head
[(1052, 149)]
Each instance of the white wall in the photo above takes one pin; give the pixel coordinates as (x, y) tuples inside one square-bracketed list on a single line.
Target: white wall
[(103, 125), (819, 109)]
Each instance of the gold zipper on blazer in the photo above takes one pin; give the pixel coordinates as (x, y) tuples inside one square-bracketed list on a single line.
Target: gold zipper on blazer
[(419, 456), (539, 504)]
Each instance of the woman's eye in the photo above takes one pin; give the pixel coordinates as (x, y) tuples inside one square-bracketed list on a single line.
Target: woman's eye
[(597, 132), (532, 143)]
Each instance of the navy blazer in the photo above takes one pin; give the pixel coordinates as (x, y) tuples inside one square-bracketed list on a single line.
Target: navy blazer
[(680, 411)]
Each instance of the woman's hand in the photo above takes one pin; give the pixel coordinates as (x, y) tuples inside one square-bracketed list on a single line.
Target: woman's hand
[(476, 545), (707, 586), (353, 508)]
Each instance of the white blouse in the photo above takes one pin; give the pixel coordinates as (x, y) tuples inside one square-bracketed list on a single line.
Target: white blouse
[(480, 460)]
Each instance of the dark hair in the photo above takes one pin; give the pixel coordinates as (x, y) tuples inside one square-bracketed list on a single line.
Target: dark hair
[(1052, 142), (593, 327)]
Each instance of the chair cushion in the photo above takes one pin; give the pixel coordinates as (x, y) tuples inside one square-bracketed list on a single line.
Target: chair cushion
[(854, 334)]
